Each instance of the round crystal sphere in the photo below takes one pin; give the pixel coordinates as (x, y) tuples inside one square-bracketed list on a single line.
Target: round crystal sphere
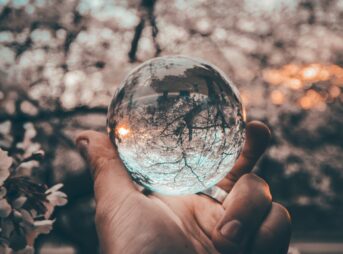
[(178, 124)]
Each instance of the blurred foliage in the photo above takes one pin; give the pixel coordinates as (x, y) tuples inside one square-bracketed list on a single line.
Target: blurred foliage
[(60, 62), (25, 206)]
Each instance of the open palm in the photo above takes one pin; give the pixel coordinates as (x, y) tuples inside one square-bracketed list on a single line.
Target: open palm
[(131, 221)]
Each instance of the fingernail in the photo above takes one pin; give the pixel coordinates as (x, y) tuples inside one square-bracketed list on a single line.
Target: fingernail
[(82, 145), (233, 231)]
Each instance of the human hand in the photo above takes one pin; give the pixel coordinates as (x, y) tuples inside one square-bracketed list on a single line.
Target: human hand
[(129, 221)]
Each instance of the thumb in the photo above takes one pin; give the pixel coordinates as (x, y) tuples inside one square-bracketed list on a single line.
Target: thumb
[(111, 180), (244, 211)]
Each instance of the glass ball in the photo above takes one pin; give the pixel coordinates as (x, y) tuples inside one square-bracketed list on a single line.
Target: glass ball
[(178, 124)]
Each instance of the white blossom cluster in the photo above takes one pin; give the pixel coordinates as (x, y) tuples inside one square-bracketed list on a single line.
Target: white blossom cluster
[(24, 214)]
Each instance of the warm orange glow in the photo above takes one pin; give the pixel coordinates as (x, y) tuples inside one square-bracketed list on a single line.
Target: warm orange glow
[(122, 131), (244, 114), (277, 97), (324, 74), (273, 77), (244, 98), (296, 77), (291, 68), (335, 91), (310, 72), (294, 83), (312, 99)]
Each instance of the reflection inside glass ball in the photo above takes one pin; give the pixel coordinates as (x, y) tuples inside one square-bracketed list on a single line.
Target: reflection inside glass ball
[(178, 124)]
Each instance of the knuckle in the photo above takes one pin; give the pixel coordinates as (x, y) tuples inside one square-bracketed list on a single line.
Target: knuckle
[(232, 176), (265, 199), (257, 187), (254, 192), (282, 212), (246, 178), (252, 178), (255, 181)]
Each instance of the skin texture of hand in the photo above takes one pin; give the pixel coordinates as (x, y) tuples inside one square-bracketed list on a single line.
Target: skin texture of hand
[(129, 221)]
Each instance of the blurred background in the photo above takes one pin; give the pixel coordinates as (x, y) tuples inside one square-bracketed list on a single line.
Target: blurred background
[(61, 61)]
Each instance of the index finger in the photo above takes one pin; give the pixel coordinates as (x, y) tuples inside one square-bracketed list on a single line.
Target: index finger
[(257, 140), (111, 180)]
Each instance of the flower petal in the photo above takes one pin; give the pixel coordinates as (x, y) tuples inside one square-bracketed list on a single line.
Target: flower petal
[(19, 202), (54, 188), (5, 208), (27, 216), (43, 226), (5, 164), (49, 209), (17, 217), (3, 192), (57, 198)]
